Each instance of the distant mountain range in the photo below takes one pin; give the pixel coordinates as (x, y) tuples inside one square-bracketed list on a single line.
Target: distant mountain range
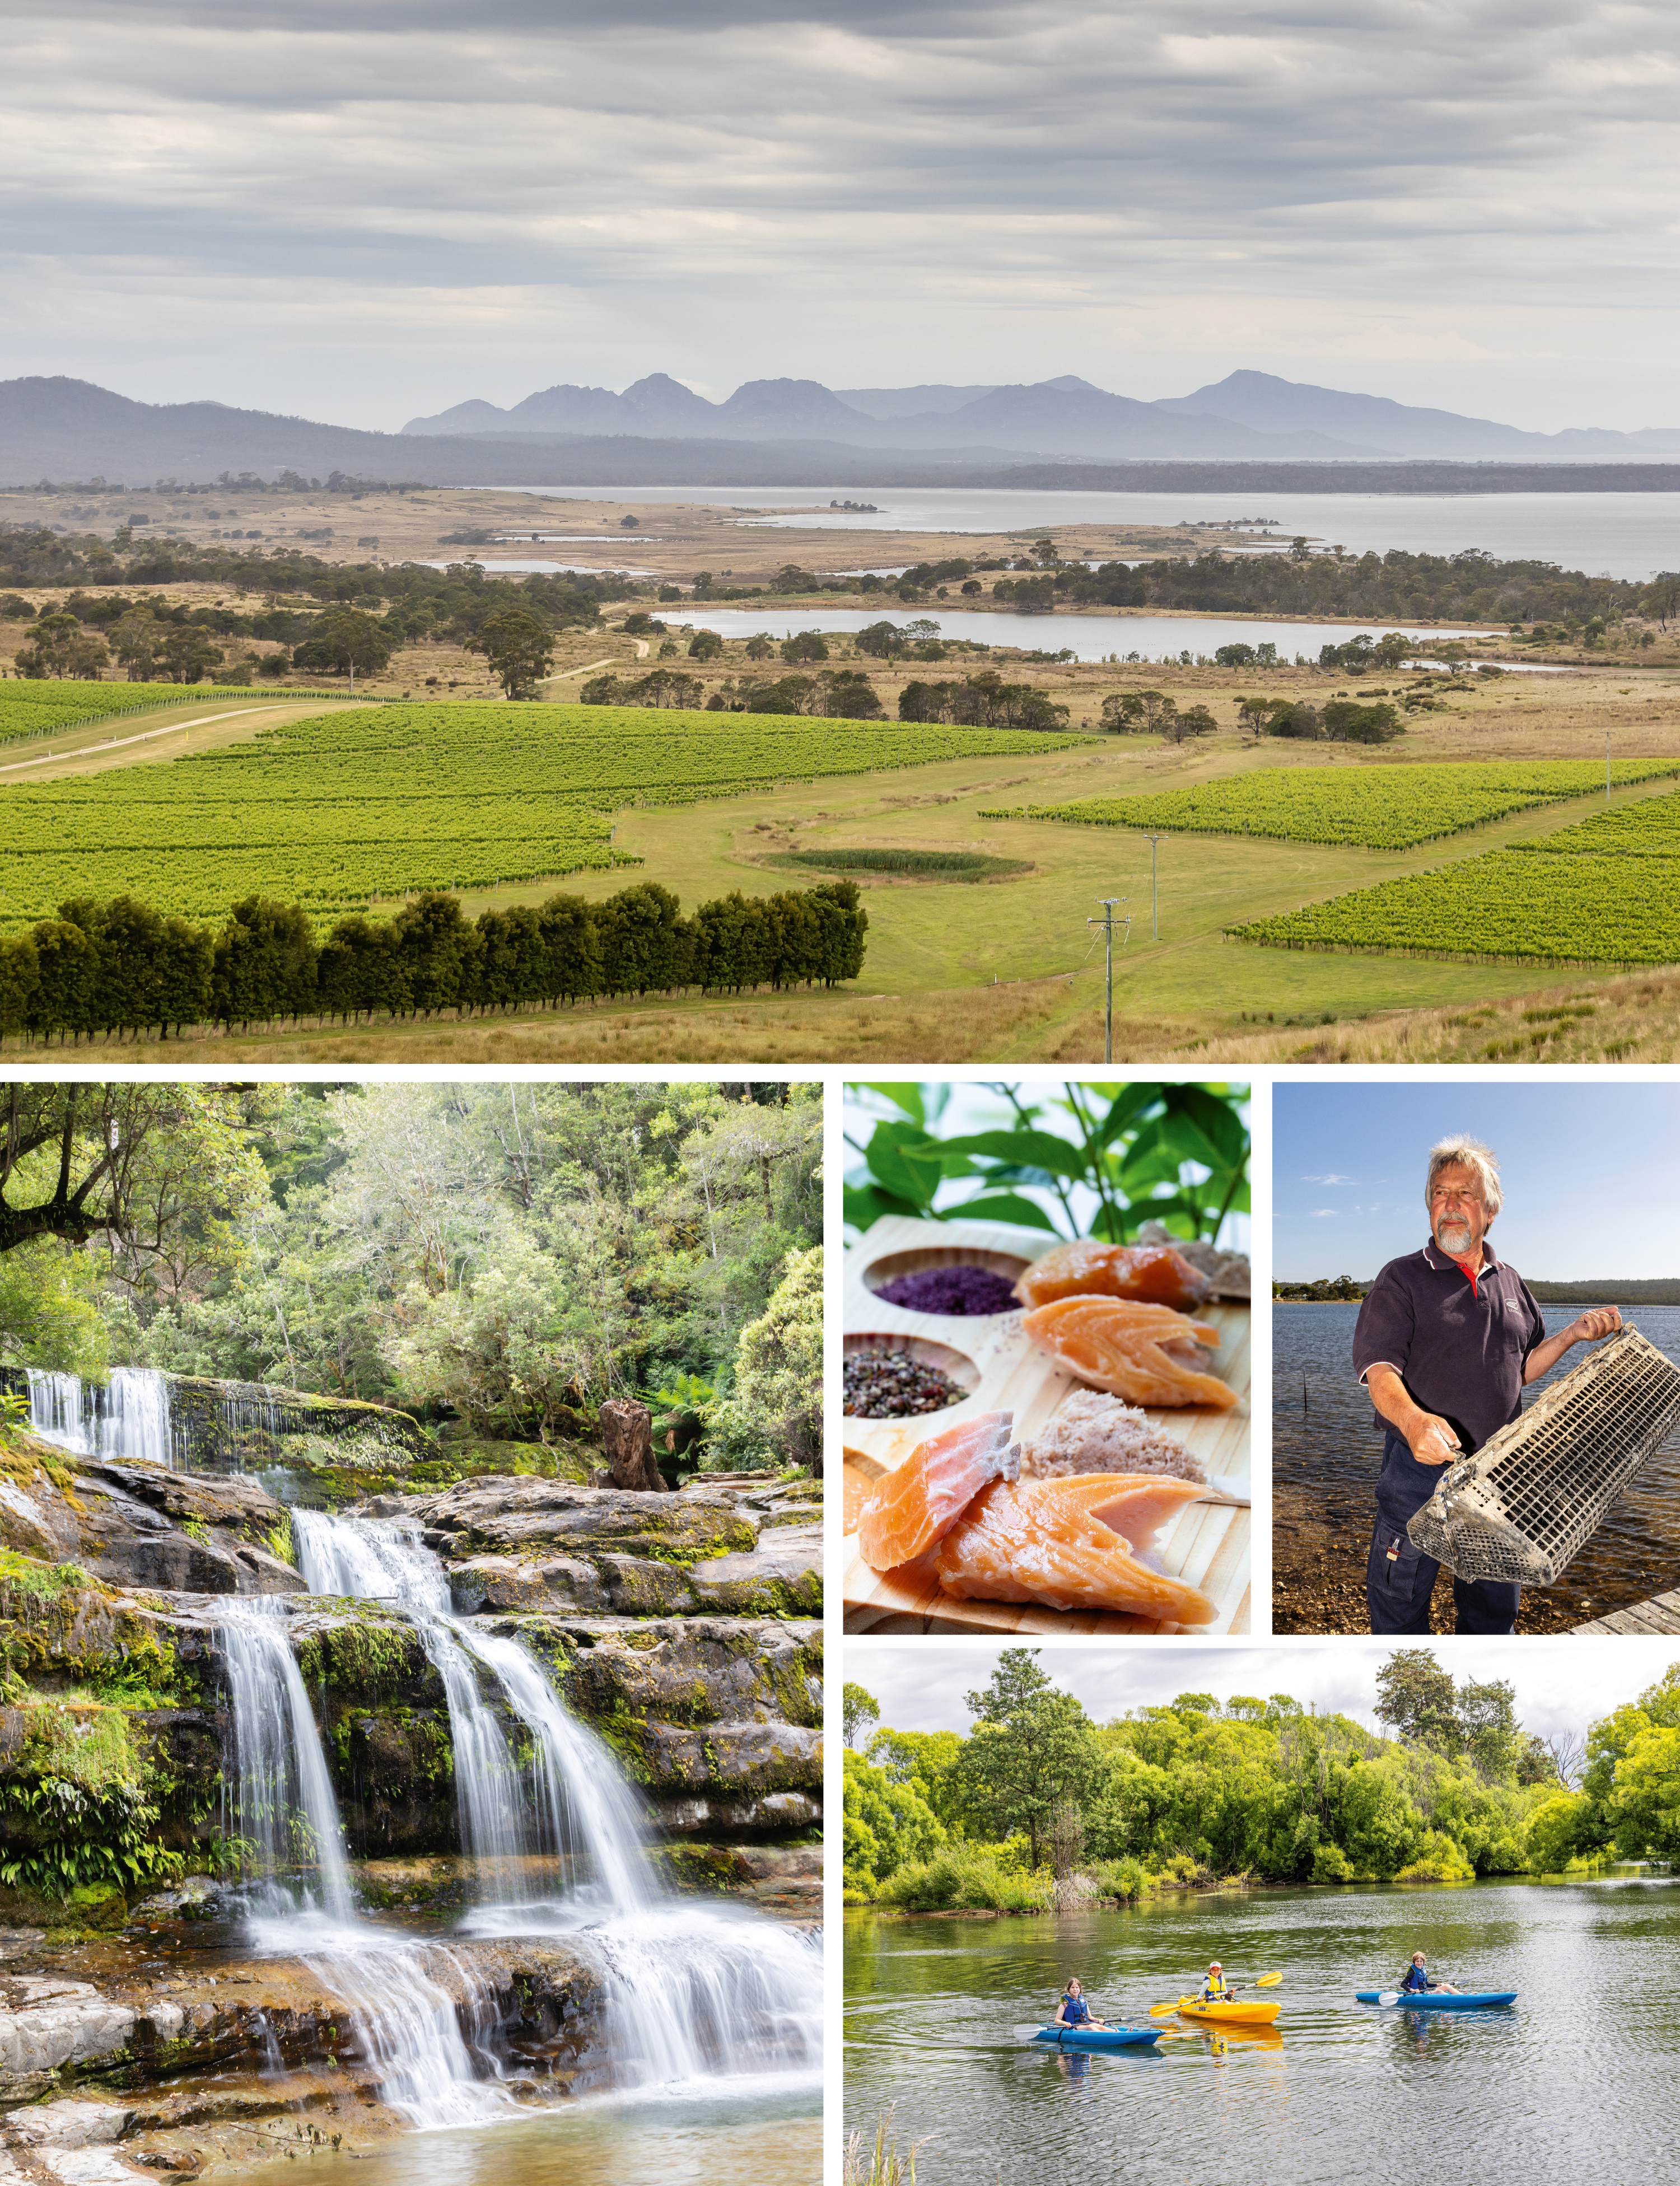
[(1252, 414), (1249, 430)]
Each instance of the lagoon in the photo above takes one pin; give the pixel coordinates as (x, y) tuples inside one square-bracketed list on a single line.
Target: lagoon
[(1575, 2080), (1089, 637)]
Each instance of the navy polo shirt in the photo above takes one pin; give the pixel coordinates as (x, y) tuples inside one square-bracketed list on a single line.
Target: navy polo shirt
[(1460, 1349)]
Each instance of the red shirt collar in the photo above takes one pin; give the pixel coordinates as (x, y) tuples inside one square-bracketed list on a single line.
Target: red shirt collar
[(1438, 1257)]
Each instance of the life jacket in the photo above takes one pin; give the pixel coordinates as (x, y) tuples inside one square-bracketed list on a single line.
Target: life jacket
[(1075, 2011), (1416, 1978), (1214, 1984)]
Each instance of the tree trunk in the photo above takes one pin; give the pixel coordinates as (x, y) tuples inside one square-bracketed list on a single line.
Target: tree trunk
[(627, 1440)]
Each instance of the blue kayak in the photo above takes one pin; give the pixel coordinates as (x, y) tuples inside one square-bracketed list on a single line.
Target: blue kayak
[(1098, 2038), (1431, 2000)]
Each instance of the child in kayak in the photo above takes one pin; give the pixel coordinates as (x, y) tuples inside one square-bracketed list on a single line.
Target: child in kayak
[(1216, 1989), (1074, 2010), (1418, 1977)]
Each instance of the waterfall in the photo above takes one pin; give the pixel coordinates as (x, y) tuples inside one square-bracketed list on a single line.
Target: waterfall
[(698, 1996), (571, 1800), (406, 2023), (282, 1796), (696, 1993), (127, 1419)]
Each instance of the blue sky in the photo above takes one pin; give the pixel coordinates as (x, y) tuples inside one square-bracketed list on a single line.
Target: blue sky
[(1591, 1173), (367, 209), (1560, 1686)]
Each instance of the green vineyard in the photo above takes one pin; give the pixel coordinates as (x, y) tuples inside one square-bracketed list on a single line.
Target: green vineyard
[(42, 710), (337, 810), (1378, 807), (1606, 891)]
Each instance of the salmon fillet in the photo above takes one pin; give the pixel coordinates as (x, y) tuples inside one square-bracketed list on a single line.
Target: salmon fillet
[(1145, 1354), (916, 1505), (1072, 1544), (1155, 1274)]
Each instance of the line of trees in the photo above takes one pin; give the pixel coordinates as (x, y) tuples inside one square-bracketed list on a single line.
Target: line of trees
[(1039, 1803), (982, 701), (123, 967)]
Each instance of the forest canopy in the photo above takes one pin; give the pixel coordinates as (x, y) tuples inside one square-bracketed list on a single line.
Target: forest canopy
[(1037, 1804), (509, 1256)]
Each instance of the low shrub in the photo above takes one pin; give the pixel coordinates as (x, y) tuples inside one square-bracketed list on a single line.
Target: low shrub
[(963, 1877)]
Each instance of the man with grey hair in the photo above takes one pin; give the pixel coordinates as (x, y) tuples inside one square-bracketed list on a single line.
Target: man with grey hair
[(1445, 1342)]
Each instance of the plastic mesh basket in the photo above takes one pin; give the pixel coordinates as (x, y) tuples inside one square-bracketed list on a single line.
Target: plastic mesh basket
[(1537, 1492)]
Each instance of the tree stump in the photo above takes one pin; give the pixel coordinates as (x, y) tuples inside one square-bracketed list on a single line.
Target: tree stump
[(627, 1440)]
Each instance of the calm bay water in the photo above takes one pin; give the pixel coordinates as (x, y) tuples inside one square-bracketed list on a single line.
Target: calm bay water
[(1575, 2080), (1628, 535), (1326, 1455)]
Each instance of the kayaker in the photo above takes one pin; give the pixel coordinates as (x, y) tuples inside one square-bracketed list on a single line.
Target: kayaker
[(1418, 1976), (1074, 2010), (1445, 1342), (1216, 1989)]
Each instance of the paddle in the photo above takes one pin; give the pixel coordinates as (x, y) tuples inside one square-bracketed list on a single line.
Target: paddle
[(1262, 1980)]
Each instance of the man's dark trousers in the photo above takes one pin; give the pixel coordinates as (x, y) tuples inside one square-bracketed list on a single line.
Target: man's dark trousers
[(1399, 1578)]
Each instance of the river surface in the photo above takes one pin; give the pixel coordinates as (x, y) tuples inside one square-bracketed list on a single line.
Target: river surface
[(1325, 1457), (1624, 535), (1576, 2081)]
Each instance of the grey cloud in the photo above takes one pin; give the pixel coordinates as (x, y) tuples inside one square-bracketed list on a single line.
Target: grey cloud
[(1483, 188)]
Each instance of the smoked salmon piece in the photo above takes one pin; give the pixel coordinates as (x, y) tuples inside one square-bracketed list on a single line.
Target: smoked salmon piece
[(1154, 1274), (915, 1506), (1145, 1354), (1072, 1544)]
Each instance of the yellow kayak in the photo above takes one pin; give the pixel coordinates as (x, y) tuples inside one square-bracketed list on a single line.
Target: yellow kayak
[(1230, 2012)]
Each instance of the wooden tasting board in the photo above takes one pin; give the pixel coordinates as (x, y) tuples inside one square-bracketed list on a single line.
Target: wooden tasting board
[(1208, 1545)]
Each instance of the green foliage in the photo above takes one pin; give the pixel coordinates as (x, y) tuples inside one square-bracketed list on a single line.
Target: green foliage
[(1032, 1751), (1167, 1152), (49, 1317), (860, 1712), (76, 1806), (1383, 808), (1437, 1859), (773, 1414), (962, 1875), (519, 648), (45, 708), (885, 1825)]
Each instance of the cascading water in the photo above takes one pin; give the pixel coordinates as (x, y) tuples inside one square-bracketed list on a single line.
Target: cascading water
[(126, 1419), (571, 1801), (282, 1798), (406, 2021), (695, 1993)]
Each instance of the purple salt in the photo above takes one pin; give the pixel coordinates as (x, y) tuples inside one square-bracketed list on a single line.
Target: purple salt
[(956, 1291)]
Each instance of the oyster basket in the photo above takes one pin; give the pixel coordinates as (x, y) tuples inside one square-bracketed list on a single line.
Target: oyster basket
[(1535, 1493)]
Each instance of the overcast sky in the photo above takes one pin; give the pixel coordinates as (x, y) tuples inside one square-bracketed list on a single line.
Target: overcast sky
[(1561, 1685), (374, 208), (1591, 1173)]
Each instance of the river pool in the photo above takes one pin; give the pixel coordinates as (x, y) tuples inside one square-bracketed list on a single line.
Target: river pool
[(1575, 2080)]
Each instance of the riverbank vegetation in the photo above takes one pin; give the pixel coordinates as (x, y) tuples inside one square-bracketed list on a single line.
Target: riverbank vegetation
[(1039, 1807)]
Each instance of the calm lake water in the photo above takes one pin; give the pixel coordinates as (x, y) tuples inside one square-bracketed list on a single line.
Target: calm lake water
[(1323, 1443), (1092, 637), (1575, 2080), (1629, 535)]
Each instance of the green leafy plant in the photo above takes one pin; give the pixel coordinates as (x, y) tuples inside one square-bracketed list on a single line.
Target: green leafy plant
[(1151, 1151)]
